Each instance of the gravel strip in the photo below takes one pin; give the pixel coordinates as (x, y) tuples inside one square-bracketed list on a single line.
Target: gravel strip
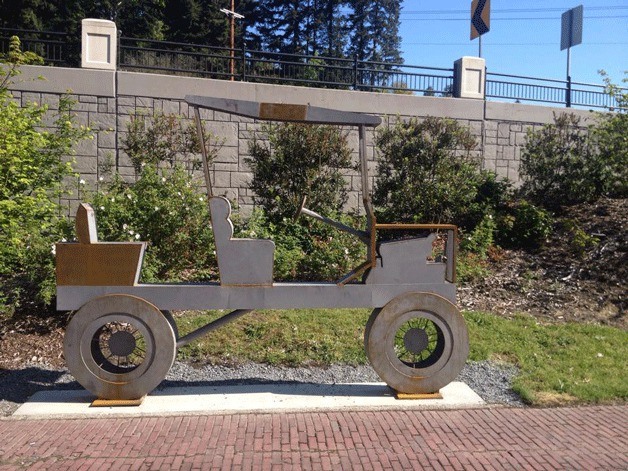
[(489, 380)]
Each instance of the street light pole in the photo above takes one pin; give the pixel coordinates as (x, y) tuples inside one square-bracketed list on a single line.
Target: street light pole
[(232, 41)]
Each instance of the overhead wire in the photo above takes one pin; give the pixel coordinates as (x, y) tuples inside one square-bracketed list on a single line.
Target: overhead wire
[(510, 10), (534, 18)]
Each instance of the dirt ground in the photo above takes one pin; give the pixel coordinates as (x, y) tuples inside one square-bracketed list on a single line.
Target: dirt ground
[(578, 276)]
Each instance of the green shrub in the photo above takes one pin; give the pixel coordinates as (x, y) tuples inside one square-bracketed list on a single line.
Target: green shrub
[(165, 206), (523, 225), (33, 164), (298, 160), (564, 163), (480, 238), (427, 174), (472, 259), (162, 139), (308, 250), (303, 160), (611, 138), (577, 239)]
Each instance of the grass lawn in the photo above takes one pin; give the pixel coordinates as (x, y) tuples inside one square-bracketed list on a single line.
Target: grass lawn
[(558, 363)]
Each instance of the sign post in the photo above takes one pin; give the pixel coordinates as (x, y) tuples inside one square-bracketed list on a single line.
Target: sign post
[(570, 35), (480, 20)]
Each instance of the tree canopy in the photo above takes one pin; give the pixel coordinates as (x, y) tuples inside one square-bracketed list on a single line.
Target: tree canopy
[(335, 28)]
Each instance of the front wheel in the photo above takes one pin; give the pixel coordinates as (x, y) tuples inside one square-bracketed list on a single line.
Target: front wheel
[(417, 343), (119, 346)]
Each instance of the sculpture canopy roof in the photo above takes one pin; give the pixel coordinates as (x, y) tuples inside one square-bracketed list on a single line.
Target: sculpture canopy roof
[(284, 112)]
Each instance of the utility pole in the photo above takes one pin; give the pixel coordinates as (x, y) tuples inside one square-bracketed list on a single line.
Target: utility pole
[(232, 17)]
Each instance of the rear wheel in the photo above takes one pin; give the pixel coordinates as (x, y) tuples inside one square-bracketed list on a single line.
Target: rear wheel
[(417, 343), (119, 346)]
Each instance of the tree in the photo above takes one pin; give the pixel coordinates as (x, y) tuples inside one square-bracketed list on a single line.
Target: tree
[(298, 160), (375, 27), (195, 22), (326, 30), (28, 14), (283, 25), (375, 38), (33, 165)]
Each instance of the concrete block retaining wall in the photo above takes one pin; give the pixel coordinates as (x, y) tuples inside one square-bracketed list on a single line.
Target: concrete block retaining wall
[(106, 101)]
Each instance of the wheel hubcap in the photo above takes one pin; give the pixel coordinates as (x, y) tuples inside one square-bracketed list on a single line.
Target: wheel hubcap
[(419, 342), (415, 340), (122, 343)]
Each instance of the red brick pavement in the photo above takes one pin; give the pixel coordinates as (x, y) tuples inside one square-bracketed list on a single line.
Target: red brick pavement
[(564, 438)]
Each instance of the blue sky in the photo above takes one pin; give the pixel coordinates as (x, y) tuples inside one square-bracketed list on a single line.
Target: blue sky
[(524, 37)]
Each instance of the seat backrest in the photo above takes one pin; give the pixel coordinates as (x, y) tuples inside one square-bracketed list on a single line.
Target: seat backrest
[(220, 209)]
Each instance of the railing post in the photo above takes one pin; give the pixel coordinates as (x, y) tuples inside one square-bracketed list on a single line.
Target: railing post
[(98, 44), (355, 72), (470, 78), (243, 61), (568, 92)]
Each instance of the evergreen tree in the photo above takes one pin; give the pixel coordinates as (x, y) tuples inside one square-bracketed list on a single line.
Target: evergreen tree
[(196, 22), (375, 26), (27, 14), (375, 37), (283, 26), (327, 28)]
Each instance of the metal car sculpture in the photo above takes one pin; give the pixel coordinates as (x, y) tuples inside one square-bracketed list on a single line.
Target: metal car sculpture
[(122, 340)]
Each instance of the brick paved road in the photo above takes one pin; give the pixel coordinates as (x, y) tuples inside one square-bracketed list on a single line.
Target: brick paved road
[(566, 438)]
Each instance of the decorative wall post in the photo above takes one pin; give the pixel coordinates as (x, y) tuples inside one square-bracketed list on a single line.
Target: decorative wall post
[(470, 78), (98, 44)]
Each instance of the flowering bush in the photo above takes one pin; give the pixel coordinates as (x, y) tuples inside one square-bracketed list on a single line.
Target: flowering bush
[(166, 208)]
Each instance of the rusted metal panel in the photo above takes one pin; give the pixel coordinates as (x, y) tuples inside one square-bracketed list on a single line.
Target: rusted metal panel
[(118, 402), (282, 112), (405, 396), (99, 264)]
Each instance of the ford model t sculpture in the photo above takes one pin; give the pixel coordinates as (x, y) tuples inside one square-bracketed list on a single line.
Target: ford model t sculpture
[(122, 340)]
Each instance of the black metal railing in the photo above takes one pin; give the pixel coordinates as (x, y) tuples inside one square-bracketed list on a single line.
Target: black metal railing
[(562, 92), (272, 67), (166, 57), (174, 58), (58, 49)]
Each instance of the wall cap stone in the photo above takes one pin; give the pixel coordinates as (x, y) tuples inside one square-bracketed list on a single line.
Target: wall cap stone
[(61, 80)]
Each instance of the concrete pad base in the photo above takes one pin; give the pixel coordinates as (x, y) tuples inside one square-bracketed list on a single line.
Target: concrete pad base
[(257, 398)]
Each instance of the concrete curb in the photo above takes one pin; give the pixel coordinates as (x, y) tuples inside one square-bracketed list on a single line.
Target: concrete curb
[(258, 398)]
